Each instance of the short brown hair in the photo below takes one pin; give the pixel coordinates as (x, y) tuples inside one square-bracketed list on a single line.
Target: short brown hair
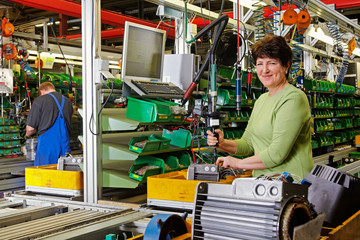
[(274, 47), (45, 86)]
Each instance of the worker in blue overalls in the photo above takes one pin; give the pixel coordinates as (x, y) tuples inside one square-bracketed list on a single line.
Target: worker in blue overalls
[(50, 117)]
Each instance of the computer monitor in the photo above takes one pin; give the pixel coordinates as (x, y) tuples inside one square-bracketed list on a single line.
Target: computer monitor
[(143, 52)]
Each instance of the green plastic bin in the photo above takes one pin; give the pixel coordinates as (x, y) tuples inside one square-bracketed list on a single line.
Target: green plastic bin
[(144, 161), (147, 111), (171, 163), (180, 138), (164, 142), (150, 145), (184, 160)]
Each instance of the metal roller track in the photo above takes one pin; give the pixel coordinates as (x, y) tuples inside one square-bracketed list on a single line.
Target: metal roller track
[(338, 155), (97, 230), (11, 217), (57, 223)]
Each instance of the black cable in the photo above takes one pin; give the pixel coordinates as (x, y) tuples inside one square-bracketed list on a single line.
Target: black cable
[(92, 80), (202, 15), (222, 7), (99, 113), (167, 32), (67, 65)]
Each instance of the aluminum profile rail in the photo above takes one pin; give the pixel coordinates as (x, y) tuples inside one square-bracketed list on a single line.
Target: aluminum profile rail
[(179, 5), (323, 11)]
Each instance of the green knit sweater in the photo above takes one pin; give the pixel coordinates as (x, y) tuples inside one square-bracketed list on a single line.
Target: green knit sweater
[(279, 131)]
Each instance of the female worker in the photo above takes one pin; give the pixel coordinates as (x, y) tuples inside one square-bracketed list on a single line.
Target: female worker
[(278, 132)]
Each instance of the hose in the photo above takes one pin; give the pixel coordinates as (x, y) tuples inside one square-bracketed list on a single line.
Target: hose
[(272, 25), (259, 20), (335, 34)]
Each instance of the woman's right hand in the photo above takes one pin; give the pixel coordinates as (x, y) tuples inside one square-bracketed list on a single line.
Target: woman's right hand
[(212, 140)]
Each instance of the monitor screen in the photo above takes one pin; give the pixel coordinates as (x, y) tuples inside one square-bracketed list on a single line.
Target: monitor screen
[(143, 52)]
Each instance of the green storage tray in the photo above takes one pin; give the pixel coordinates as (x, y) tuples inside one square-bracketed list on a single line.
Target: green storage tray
[(171, 164), (143, 162), (149, 146), (7, 136), (145, 110), (180, 138), (184, 160), (164, 142), (173, 117)]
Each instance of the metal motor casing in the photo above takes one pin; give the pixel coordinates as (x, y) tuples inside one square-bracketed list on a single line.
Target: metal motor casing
[(248, 209)]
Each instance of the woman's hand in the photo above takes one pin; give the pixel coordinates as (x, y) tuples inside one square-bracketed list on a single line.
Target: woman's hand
[(212, 140), (228, 162)]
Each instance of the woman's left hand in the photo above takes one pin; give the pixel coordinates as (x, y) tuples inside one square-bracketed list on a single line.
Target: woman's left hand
[(228, 162)]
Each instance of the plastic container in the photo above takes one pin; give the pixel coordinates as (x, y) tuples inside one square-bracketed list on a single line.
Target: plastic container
[(149, 146), (147, 111), (171, 164), (184, 160), (145, 161), (164, 142), (180, 138)]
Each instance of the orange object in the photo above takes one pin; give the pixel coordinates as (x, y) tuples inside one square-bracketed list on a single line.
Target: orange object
[(7, 28), (352, 45), (303, 21), (357, 140), (9, 51), (290, 17), (304, 16), (37, 63)]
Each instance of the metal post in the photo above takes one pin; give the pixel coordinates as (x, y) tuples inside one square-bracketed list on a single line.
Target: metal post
[(46, 35), (331, 73), (242, 32), (308, 60), (180, 45), (91, 100), (39, 61)]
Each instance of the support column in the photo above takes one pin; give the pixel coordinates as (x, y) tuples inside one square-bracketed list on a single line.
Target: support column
[(90, 18), (63, 25)]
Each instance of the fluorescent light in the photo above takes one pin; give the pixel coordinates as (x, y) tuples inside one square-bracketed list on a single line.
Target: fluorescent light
[(57, 55), (319, 34)]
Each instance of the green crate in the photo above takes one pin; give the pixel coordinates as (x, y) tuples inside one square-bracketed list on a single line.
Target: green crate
[(173, 117), (4, 121), (10, 144), (150, 146), (180, 138), (10, 151), (164, 142), (147, 111), (184, 160), (7, 136), (223, 97), (171, 164), (146, 161)]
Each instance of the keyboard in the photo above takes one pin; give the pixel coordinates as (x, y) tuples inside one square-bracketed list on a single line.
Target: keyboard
[(158, 88)]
